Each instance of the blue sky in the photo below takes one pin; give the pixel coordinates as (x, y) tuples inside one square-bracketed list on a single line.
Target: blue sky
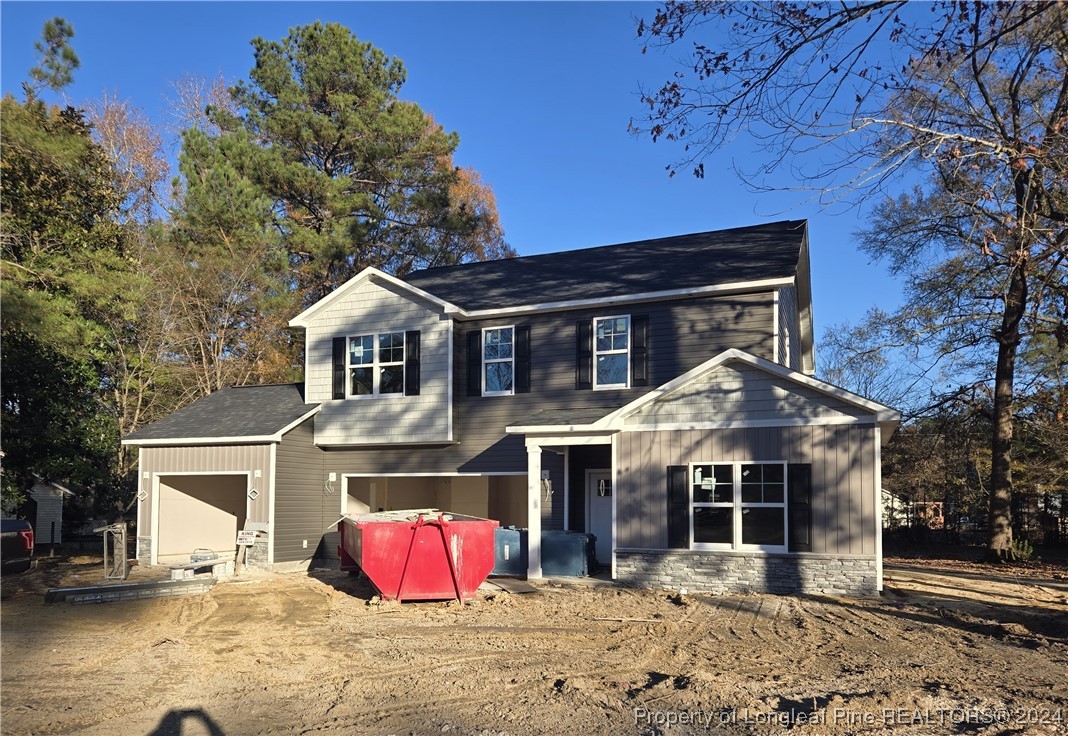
[(540, 94)]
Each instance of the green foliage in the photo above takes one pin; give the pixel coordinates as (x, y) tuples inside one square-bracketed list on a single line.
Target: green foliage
[(358, 176), (58, 60), (1022, 549), (64, 276), (224, 263)]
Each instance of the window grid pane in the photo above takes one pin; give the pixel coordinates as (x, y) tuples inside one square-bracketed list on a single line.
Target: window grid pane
[(611, 348), (497, 357), (376, 364), (739, 504)]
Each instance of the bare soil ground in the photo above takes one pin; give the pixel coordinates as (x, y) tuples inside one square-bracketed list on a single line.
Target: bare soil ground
[(947, 649)]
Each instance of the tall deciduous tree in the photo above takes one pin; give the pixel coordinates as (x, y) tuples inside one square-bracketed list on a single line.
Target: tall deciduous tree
[(970, 98), (359, 177)]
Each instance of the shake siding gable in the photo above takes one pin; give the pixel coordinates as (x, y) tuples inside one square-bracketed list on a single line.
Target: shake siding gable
[(373, 308), (736, 392)]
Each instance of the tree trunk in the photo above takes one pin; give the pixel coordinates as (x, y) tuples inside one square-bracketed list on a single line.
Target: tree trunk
[(1008, 338)]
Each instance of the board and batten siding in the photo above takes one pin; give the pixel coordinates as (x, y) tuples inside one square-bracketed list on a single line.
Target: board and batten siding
[(206, 459), (305, 505), (789, 329), (371, 309), (735, 392), (682, 334), (843, 478)]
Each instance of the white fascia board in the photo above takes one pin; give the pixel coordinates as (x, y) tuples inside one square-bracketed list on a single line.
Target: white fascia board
[(882, 413), (538, 429), (370, 273), (297, 422), (257, 439), (651, 296)]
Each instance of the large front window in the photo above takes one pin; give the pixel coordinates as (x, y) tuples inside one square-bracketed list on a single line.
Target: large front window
[(376, 364), (611, 351), (738, 505), (498, 361)]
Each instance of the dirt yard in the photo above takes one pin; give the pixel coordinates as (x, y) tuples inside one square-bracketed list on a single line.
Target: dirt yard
[(947, 649)]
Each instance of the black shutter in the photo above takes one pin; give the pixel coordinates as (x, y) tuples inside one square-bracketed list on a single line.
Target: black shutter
[(474, 363), (411, 363), (584, 354), (339, 368), (522, 359), (799, 488), (678, 507), (639, 350)]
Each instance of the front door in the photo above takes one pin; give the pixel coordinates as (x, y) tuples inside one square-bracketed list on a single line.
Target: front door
[(599, 512)]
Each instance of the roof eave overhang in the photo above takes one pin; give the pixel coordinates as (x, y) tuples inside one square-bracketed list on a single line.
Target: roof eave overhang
[(258, 439)]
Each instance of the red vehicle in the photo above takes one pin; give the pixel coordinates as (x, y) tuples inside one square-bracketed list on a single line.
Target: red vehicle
[(16, 546)]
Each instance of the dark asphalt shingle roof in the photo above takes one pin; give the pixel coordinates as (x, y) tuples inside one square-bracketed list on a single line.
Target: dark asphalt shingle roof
[(559, 417), (663, 264), (240, 411)]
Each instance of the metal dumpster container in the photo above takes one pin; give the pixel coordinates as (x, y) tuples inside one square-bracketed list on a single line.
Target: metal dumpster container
[(567, 554), (510, 554), (422, 555)]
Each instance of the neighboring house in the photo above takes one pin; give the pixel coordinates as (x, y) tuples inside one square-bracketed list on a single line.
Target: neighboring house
[(658, 394), (43, 508)]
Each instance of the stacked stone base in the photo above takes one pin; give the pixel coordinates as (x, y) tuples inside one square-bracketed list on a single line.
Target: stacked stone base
[(256, 556), (737, 572)]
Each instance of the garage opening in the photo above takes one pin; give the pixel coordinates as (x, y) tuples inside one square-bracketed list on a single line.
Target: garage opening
[(200, 512)]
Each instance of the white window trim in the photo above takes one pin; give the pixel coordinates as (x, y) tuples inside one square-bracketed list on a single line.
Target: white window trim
[(630, 341), (374, 365), (510, 361), (737, 505)]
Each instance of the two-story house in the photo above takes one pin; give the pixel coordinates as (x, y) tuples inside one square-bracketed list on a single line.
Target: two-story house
[(659, 394)]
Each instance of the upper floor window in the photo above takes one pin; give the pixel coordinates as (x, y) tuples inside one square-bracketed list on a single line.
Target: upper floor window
[(381, 364), (376, 364), (498, 361), (611, 350)]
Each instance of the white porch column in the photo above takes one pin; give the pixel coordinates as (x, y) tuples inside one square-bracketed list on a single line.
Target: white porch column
[(533, 511)]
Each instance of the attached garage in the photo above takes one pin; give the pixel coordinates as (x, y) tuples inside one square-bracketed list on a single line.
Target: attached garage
[(201, 511), (211, 469)]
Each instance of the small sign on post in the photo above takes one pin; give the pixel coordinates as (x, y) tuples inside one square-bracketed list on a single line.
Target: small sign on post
[(245, 538)]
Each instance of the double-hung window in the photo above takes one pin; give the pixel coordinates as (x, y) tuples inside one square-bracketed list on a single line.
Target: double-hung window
[(498, 361), (376, 364), (611, 352), (738, 505)]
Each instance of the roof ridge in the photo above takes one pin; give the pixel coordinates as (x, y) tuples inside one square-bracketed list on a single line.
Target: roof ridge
[(434, 270)]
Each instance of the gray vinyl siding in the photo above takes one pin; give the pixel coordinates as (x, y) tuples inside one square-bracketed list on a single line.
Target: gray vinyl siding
[(736, 392), (682, 335), (303, 509), (843, 478), (372, 309), (789, 337), (49, 513), (206, 459)]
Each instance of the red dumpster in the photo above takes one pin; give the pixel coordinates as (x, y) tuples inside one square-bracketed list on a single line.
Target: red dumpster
[(419, 555)]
